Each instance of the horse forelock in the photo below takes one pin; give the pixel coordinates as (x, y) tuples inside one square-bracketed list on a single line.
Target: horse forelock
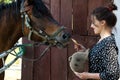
[(40, 8)]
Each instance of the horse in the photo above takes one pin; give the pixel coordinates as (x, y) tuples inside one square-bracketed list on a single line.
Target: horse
[(31, 19)]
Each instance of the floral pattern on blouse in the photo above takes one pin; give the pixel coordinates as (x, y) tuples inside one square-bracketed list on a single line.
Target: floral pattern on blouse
[(103, 59)]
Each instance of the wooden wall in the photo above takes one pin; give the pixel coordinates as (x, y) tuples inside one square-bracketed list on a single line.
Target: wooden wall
[(75, 15)]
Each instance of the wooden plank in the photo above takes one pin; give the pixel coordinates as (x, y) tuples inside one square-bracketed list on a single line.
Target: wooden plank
[(66, 20), (106, 2), (90, 41), (27, 66), (66, 14), (58, 56), (58, 64), (42, 66), (80, 17), (46, 1), (92, 4), (55, 9)]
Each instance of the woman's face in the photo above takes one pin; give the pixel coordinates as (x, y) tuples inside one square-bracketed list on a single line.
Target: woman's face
[(96, 25)]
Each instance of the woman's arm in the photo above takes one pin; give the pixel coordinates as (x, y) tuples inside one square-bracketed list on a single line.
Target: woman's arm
[(111, 68), (86, 75)]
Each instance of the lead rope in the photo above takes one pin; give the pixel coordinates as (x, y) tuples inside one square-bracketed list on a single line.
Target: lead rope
[(36, 59), (18, 55), (40, 56)]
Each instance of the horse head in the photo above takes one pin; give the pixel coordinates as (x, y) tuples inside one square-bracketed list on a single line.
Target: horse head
[(40, 26)]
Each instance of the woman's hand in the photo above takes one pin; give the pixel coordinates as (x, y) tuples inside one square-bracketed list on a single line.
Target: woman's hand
[(86, 75), (83, 75), (78, 46)]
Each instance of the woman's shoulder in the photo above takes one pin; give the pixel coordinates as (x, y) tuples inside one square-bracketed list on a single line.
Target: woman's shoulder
[(106, 42), (110, 41)]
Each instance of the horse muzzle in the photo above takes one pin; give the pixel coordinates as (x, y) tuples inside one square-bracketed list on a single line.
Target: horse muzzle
[(63, 39)]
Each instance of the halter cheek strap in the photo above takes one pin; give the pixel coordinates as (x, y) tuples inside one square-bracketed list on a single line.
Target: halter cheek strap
[(26, 21), (40, 33), (31, 30)]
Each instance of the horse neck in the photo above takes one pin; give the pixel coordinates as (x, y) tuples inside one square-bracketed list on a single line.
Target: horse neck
[(10, 30)]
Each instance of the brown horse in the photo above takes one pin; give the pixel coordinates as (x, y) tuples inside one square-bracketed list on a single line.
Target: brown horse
[(29, 18)]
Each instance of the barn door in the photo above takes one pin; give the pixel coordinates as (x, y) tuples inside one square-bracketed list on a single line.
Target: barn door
[(73, 14)]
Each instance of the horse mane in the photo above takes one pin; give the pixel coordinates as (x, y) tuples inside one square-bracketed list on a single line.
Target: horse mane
[(8, 9), (13, 9)]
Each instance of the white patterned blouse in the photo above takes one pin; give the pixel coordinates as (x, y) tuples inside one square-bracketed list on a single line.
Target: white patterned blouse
[(103, 59)]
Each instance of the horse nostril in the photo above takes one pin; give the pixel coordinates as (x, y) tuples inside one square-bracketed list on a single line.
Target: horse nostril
[(66, 36)]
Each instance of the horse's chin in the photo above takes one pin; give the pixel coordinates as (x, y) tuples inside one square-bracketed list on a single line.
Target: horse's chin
[(57, 42), (62, 45)]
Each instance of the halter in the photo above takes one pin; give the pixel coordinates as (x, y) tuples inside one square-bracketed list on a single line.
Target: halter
[(41, 33)]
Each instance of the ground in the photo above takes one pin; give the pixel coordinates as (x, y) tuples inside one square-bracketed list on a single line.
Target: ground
[(14, 72)]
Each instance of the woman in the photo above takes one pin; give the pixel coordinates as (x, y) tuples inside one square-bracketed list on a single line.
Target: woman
[(103, 57)]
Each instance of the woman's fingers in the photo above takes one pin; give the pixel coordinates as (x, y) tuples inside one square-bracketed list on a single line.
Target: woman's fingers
[(83, 75)]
